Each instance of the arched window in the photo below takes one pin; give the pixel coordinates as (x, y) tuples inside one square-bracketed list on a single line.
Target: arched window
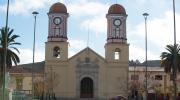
[(117, 54), (56, 52)]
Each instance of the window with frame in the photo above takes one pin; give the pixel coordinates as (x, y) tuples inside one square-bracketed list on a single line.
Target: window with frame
[(158, 77), (19, 83), (117, 54)]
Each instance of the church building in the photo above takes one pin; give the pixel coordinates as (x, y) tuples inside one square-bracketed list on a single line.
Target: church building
[(86, 74)]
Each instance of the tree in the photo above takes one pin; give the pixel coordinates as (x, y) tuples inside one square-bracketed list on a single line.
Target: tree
[(12, 57), (167, 60), (38, 88)]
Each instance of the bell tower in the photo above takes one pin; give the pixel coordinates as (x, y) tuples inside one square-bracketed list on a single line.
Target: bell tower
[(116, 48), (117, 51), (57, 45)]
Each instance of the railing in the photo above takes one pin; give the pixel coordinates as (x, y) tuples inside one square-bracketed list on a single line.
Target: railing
[(21, 94)]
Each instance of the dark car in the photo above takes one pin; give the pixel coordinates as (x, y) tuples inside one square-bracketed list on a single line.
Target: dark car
[(118, 98)]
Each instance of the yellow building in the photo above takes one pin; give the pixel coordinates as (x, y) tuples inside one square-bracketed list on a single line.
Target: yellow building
[(86, 74)]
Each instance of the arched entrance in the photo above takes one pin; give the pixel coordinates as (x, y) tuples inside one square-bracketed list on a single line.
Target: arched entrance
[(86, 88)]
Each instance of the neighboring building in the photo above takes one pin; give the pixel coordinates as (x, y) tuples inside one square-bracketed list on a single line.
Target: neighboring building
[(86, 74), (158, 81), (21, 77)]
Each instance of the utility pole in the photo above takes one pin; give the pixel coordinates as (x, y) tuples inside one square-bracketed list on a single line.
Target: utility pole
[(32, 69), (145, 17), (175, 53)]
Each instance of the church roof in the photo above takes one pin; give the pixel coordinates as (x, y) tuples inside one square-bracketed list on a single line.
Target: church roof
[(58, 8), (150, 63), (88, 50), (116, 9), (17, 69), (27, 68)]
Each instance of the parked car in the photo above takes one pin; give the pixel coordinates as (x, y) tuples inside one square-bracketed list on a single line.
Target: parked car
[(118, 98)]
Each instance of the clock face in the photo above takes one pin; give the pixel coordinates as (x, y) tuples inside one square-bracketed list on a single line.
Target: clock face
[(57, 20), (117, 22)]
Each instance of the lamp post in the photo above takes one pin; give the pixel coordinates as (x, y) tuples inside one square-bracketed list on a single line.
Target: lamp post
[(5, 52), (145, 18), (134, 91), (175, 55), (34, 14)]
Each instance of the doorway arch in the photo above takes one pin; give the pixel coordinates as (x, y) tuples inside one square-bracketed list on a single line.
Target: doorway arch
[(86, 88)]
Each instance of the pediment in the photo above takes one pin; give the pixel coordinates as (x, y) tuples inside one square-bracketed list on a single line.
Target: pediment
[(87, 55)]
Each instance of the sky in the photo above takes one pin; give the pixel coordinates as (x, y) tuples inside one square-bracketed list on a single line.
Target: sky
[(89, 16)]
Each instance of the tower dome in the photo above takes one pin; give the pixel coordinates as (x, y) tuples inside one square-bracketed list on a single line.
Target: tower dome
[(116, 9), (58, 8)]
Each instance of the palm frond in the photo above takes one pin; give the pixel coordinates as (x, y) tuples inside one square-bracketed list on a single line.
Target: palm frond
[(12, 57), (15, 49), (167, 58), (15, 43), (12, 39), (10, 32)]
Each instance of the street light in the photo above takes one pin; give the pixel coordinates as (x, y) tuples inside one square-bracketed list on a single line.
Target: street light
[(134, 91), (175, 56), (5, 52), (34, 14), (145, 17)]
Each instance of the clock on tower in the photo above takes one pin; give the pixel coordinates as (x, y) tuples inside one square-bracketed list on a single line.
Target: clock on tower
[(116, 19), (117, 22), (58, 22)]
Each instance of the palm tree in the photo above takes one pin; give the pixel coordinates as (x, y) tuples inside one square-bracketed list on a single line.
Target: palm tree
[(167, 59), (12, 57)]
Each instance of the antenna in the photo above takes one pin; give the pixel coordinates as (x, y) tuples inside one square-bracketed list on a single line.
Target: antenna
[(88, 42), (88, 37)]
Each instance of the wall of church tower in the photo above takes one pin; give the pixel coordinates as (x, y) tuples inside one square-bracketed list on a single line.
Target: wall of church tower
[(56, 78), (116, 52), (117, 69), (57, 27), (56, 51), (116, 31)]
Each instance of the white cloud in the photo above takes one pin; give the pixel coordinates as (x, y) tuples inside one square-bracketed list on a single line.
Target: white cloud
[(96, 25), (136, 52), (94, 12), (23, 7), (159, 34), (77, 7), (71, 53), (140, 1), (160, 30), (75, 46), (87, 8), (26, 55)]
